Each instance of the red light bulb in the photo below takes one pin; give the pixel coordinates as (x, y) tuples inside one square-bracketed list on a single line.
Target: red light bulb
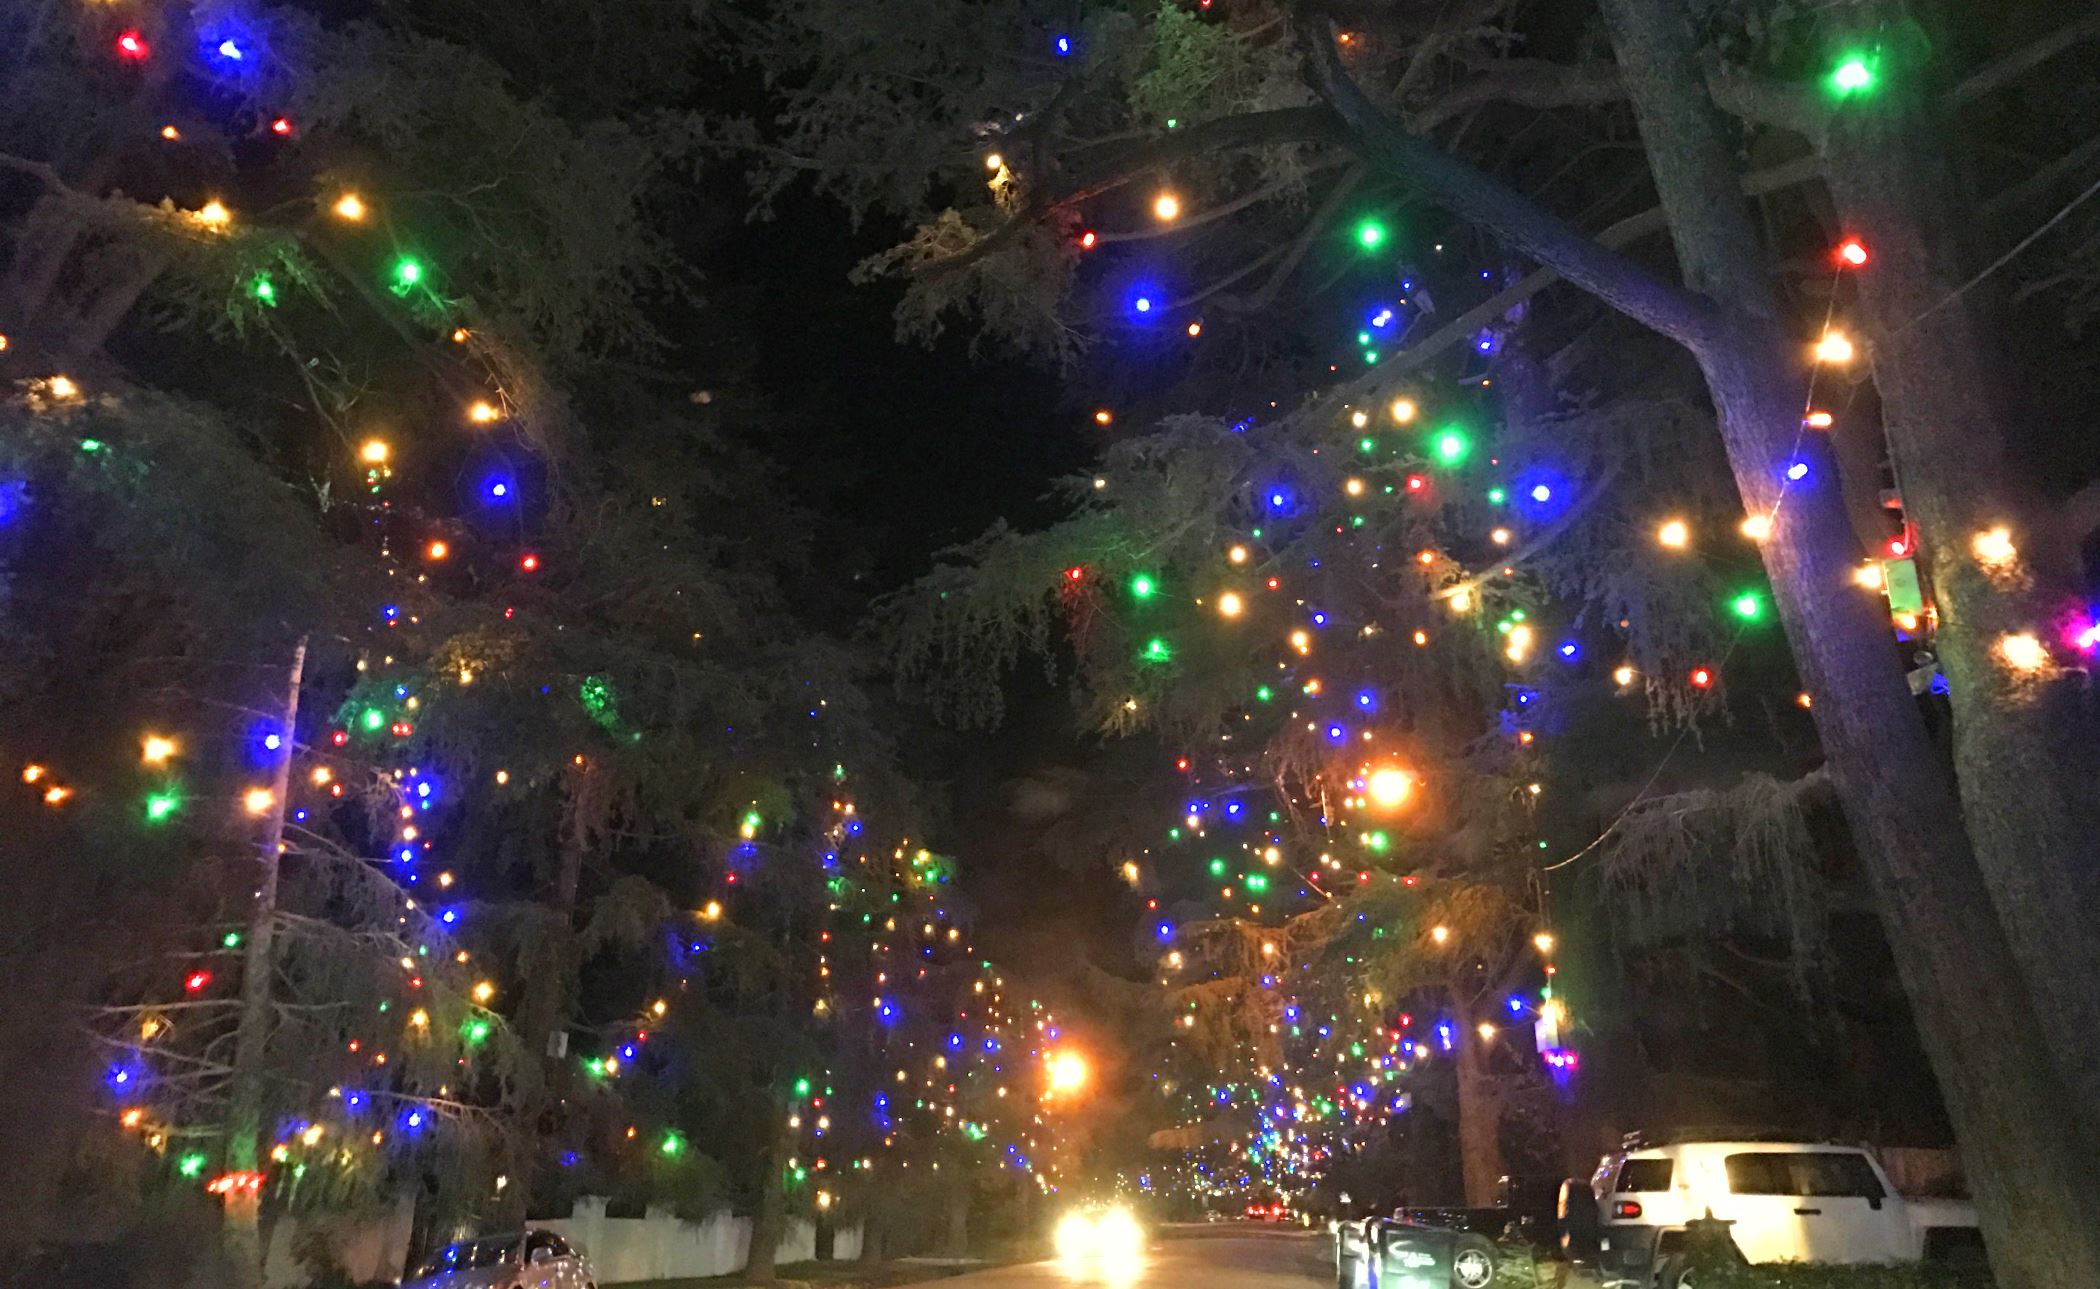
[(1852, 253), (133, 46)]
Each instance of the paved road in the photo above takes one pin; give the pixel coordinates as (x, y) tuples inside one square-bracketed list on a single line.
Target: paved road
[(1236, 1256)]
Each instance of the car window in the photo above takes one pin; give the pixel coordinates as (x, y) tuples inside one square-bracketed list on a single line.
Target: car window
[(1821, 1172), (469, 1254), (1644, 1175), (547, 1240)]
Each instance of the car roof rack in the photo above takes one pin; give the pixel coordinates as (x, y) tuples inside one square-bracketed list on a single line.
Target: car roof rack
[(1694, 1134)]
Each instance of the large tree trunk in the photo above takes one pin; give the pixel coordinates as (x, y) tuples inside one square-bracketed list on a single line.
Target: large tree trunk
[(1479, 1120), (955, 1243), (769, 1222), (242, 1234), (2023, 743), (2033, 1176)]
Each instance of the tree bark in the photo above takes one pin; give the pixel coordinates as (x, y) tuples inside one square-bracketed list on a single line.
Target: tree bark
[(2031, 1171), (2023, 744), (769, 1222), (1479, 1120), (242, 1230), (956, 1241)]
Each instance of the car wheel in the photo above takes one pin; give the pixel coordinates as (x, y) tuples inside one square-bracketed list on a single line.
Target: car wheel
[(1675, 1272), (1472, 1263)]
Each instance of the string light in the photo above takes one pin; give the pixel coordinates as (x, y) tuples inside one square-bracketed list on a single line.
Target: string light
[(374, 452), (349, 206), (1230, 604), (1675, 534), (2023, 652), (1994, 547), (1757, 527), (1851, 252), (156, 749), (1835, 348), (483, 412), (1404, 410), (1166, 207), (1389, 788), (259, 800), (213, 214)]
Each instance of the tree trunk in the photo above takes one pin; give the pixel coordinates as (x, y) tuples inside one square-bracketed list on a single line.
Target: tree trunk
[(873, 1235), (550, 970), (2023, 743), (1479, 1120), (769, 1222), (242, 1230), (2032, 1175), (956, 1242)]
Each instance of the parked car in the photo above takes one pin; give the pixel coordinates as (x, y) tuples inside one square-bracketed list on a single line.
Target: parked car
[(1392, 1253), (514, 1260), (1783, 1201)]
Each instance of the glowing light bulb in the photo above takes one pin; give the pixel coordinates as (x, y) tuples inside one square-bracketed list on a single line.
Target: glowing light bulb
[(713, 911), (1702, 678), (156, 749), (1230, 605), (1102, 416), (1301, 641), (374, 452), (1237, 554), (1389, 788), (1853, 75), (1675, 534), (483, 412), (407, 273), (1359, 418), (170, 133), (1166, 207), (1851, 252), (1835, 348), (213, 214), (1543, 941), (1440, 934), (349, 206), (995, 162), (1994, 547), (133, 46), (1354, 487), (1518, 643), (1404, 410), (1819, 420), (1868, 577), (259, 800), (2023, 652), (1623, 675), (1757, 527), (1370, 234), (1195, 329)]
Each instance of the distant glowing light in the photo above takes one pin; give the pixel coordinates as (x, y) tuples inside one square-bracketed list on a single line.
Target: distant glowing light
[(1541, 493), (1675, 534), (1440, 934), (1994, 547), (2023, 652), (1517, 645), (1835, 348), (1370, 234), (1404, 410), (1142, 587), (1166, 207), (1389, 788), (259, 800), (1749, 606), (1230, 605), (349, 206), (156, 749), (995, 162), (133, 46), (213, 214), (1854, 74), (1451, 447), (1623, 675), (230, 50), (1757, 527), (374, 452), (1702, 678), (1851, 252)]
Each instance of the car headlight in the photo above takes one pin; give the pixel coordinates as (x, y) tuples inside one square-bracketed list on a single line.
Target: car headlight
[(1074, 1237), (1117, 1235)]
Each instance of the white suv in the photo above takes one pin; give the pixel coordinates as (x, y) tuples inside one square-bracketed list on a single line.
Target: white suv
[(1786, 1201)]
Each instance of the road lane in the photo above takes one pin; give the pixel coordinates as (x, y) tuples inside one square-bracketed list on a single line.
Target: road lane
[(1235, 1256)]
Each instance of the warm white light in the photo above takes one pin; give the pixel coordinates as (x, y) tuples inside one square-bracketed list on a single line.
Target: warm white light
[(1440, 934), (349, 206), (2023, 652), (1519, 646), (214, 214), (1757, 527), (1390, 787), (1544, 941), (259, 800), (1994, 547), (1237, 554), (1868, 576), (1835, 347), (1501, 537), (374, 452), (1166, 207), (1674, 533), (1230, 604), (155, 750), (1359, 419), (1404, 410), (1069, 1071), (483, 412), (994, 162), (1623, 675)]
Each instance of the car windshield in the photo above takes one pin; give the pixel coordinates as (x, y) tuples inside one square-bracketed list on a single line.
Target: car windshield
[(468, 1254), (1824, 1172)]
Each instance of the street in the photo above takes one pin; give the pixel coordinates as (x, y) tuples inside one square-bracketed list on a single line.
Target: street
[(1238, 1256)]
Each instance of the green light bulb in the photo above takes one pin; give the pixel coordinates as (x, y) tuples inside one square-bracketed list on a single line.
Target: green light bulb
[(1158, 650), (1370, 234), (1853, 75), (1142, 587), (1748, 606), (1451, 447), (263, 289), (407, 273), (161, 805)]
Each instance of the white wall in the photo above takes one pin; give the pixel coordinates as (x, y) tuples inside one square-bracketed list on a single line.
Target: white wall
[(621, 1249), (662, 1247)]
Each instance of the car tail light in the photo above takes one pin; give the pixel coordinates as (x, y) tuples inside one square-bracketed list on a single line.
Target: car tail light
[(1626, 1208)]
